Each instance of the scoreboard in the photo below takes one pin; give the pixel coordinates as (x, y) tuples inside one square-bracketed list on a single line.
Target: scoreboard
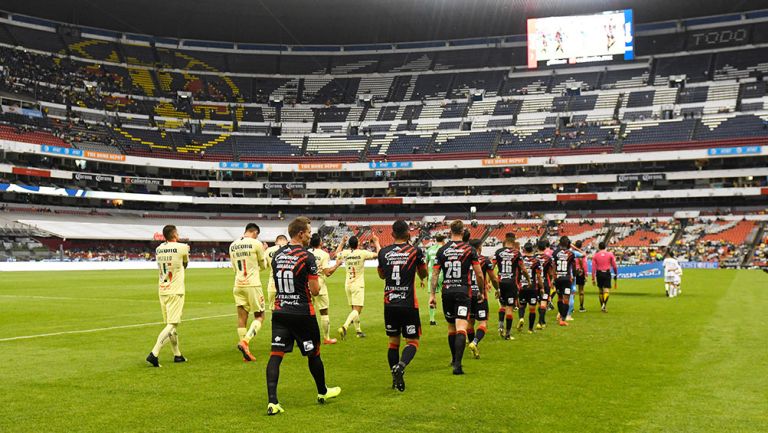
[(575, 39)]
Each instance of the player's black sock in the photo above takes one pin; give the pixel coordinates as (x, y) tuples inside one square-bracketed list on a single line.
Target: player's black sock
[(392, 355), (408, 353), (563, 309), (452, 345), (318, 373), (501, 318), (508, 324), (531, 319), (461, 342), (470, 334), (479, 334), (273, 374), (542, 313), (521, 313)]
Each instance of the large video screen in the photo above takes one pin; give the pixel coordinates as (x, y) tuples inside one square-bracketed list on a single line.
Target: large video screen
[(580, 39)]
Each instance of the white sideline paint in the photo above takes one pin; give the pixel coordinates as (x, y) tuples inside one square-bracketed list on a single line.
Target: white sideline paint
[(116, 266), (109, 328), (68, 298), (98, 266)]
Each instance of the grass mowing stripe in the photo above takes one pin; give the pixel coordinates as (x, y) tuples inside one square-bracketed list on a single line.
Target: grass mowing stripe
[(109, 328)]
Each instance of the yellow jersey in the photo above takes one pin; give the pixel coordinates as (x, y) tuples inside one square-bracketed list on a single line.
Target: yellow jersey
[(248, 258), (171, 258), (322, 258), (354, 262)]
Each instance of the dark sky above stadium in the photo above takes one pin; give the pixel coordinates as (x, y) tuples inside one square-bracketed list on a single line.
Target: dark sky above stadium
[(310, 22)]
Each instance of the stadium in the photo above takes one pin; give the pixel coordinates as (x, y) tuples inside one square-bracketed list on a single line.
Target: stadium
[(395, 172)]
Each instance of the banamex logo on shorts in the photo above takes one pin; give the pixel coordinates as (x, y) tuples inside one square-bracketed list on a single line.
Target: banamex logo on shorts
[(411, 329), (308, 345), (462, 311), (481, 314)]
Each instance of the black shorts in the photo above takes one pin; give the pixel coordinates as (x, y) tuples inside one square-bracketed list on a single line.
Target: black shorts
[(456, 305), (402, 321), (563, 285), (581, 279), (479, 310), (507, 293), (528, 296), (303, 329), (603, 279)]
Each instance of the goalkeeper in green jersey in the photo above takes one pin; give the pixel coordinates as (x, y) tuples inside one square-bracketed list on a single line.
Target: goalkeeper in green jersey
[(431, 257)]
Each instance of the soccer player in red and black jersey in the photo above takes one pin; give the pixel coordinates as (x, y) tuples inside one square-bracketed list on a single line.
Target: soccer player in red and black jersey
[(293, 319), (511, 268), (565, 263), (547, 279), (455, 259), (399, 264), (478, 313), (529, 294)]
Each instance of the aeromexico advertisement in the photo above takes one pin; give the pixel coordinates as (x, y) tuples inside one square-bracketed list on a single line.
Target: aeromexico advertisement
[(655, 270)]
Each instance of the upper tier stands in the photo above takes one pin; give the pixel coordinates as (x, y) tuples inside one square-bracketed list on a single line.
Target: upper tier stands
[(428, 111)]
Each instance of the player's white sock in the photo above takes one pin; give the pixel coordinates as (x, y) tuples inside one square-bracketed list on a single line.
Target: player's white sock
[(162, 338), (253, 330), (352, 316), (357, 323), (666, 288), (241, 333), (174, 339), (325, 325)]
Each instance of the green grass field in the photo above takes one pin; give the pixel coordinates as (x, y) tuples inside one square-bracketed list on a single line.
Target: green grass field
[(691, 364)]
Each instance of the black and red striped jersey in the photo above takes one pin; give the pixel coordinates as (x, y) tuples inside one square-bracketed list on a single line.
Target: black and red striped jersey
[(565, 262), (486, 265), (509, 261), (293, 266), (399, 264), (546, 263), (533, 267), (455, 260)]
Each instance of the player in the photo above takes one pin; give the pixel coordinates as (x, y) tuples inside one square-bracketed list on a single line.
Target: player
[(581, 276), (293, 318), (324, 269), (548, 277), (280, 241), (564, 259), (354, 260), (454, 260), (509, 239), (602, 263), (431, 254), (672, 272), (478, 313), (529, 293), (511, 266), (399, 264), (248, 258), (172, 258)]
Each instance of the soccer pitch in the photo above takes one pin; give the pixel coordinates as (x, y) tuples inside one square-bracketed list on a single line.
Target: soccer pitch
[(691, 364)]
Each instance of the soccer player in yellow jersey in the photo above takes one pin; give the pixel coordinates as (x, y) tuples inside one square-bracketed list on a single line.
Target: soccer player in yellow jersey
[(280, 241), (248, 258), (354, 260), (324, 270), (172, 258)]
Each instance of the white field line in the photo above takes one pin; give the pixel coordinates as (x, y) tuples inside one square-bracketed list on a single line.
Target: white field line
[(66, 298), (109, 328)]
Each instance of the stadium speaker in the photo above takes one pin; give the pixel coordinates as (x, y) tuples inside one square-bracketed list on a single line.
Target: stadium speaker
[(68, 31)]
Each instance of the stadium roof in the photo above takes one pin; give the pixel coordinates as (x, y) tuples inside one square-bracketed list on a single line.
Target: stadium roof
[(311, 22)]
